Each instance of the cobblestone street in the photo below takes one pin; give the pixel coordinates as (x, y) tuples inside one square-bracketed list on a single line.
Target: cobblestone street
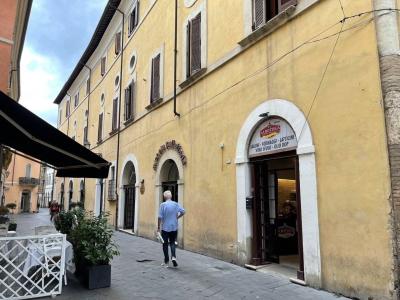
[(137, 274)]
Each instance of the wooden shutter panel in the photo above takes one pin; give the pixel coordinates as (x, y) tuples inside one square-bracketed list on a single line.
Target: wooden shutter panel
[(155, 83), (126, 105), (85, 135), (259, 13), (188, 29), (114, 114), (118, 43), (100, 129), (103, 66), (195, 41), (132, 98), (283, 4), (137, 14)]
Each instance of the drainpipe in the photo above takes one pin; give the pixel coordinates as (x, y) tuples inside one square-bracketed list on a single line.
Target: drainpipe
[(119, 115), (88, 104), (387, 33), (175, 55), (69, 114)]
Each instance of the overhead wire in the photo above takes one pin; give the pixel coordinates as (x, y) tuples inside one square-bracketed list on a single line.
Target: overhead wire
[(308, 41)]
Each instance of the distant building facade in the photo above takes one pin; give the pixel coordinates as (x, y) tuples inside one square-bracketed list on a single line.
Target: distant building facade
[(14, 16)]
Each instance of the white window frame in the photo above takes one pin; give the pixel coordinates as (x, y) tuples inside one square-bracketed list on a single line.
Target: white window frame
[(202, 9), (134, 5)]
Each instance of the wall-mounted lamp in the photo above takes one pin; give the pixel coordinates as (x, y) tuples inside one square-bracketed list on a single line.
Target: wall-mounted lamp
[(142, 189)]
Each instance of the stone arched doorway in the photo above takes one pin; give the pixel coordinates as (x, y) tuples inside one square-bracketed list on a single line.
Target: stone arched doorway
[(128, 204), (169, 175), (304, 152)]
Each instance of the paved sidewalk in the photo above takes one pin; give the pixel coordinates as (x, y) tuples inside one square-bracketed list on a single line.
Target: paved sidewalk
[(197, 277)]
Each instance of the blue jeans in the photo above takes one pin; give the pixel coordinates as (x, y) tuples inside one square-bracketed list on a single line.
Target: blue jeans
[(168, 236)]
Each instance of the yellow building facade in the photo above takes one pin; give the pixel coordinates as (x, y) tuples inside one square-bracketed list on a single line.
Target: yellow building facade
[(277, 149)]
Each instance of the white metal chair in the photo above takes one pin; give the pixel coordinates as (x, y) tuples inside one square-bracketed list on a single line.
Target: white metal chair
[(43, 230)]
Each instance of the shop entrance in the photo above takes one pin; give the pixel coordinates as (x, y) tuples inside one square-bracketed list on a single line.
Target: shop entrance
[(129, 196), (26, 201), (170, 177), (276, 211)]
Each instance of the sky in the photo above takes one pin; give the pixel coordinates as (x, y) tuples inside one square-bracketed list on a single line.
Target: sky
[(57, 35)]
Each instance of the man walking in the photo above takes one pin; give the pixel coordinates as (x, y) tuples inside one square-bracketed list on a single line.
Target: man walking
[(170, 212)]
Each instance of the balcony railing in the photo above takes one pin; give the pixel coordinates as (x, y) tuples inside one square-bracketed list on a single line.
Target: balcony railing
[(111, 190), (28, 181)]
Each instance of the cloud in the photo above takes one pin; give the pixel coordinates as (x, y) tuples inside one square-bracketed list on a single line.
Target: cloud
[(58, 32), (40, 83)]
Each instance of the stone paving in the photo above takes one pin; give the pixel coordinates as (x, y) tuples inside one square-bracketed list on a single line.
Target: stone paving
[(197, 277)]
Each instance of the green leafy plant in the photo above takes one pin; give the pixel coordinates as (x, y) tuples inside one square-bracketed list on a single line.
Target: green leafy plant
[(75, 205), (67, 220), (92, 240), (4, 210), (11, 206)]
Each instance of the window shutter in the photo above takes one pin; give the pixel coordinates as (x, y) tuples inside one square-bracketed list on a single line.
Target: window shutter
[(100, 129), (87, 87), (283, 4), (114, 115), (103, 66), (136, 14), (132, 98), (188, 29), (155, 83), (85, 135), (117, 43), (259, 13), (195, 42), (126, 104)]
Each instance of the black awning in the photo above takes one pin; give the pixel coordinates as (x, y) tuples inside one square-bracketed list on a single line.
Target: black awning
[(23, 131)]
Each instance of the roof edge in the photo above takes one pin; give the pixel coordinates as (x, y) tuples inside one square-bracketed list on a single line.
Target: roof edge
[(98, 34)]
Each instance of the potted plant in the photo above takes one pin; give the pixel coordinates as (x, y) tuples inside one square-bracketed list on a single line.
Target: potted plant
[(93, 250), (4, 215)]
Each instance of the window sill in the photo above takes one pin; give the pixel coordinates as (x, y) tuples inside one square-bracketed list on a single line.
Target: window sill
[(268, 27), (154, 103), (127, 122), (113, 132), (192, 78), (99, 142), (86, 144)]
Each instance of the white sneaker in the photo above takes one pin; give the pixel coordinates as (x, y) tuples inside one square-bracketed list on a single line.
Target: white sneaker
[(176, 243), (165, 265), (174, 262)]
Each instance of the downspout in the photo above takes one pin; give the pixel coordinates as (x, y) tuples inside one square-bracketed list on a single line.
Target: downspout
[(69, 114), (119, 116), (387, 33), (175, 55)]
